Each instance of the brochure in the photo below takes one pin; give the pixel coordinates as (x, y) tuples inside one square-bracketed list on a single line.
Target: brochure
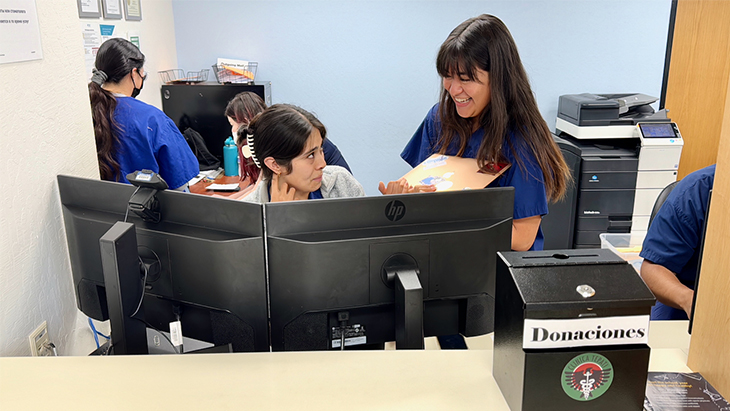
[(670, 391)]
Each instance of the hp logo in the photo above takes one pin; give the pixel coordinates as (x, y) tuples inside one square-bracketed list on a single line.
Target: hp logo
[(395, 210)]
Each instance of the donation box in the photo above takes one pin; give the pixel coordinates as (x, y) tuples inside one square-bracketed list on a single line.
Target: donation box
[(571, 331)]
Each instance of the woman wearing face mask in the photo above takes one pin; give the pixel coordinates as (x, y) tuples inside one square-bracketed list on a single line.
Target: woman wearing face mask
[(132, 135), (286, 142), (487, 111)]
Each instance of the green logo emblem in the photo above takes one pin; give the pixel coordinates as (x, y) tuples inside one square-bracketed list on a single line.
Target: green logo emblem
[(587, 377)]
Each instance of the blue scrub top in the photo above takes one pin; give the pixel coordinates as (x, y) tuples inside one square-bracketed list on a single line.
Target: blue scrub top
[(529, 183), (332, 155), (150, 140), (674, 237)]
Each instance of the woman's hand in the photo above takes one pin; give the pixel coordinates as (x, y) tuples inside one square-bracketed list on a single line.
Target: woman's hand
[(395, 187), (423, 188), (401, 186), (280, 190)]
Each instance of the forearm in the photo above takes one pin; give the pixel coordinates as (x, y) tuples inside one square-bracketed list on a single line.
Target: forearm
[(524, 232), (666, 286)]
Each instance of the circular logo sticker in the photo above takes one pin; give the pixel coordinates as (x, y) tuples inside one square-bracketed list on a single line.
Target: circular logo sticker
[(587, 377)]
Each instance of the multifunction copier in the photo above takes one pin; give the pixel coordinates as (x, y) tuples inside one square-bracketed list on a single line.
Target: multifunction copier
[(622, 154)]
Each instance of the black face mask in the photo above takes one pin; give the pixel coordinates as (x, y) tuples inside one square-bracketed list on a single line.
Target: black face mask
[(135, 91)]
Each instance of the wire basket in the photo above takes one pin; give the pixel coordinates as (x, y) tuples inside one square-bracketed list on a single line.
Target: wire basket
[(178, 76), (228, 74)]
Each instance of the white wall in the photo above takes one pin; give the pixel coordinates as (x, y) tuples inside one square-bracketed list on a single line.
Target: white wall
[(157, 42), (47, 130)]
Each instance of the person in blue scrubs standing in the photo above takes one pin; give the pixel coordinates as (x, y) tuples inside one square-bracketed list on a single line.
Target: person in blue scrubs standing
[(671, 249), (132, 135), (487, 111)]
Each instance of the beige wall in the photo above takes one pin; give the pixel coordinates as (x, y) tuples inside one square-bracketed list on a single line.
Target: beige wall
[(45, 130)]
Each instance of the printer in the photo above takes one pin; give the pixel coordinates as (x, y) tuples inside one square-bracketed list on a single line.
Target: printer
[(626, 154)]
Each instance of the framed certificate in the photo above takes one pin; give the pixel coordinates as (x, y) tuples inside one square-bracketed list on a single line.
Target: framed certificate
[(112, 9), (89, 8), (133, 9)]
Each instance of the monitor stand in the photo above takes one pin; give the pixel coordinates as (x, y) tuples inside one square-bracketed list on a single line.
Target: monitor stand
[(402, 270), (124, 288)]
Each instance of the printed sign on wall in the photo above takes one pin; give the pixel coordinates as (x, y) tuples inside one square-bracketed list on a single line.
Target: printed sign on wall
[(20, 37)]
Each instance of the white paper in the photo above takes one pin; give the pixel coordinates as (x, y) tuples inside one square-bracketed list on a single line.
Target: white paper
[(90, 6), (133, 9), (195, 179), (20, 37), (580, 332), (212, 174), (223, 187), (91, 38), (113, 7), (176, 335), (239, 64)]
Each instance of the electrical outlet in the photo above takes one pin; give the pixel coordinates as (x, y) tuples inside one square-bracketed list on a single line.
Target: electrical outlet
[(37, 339)]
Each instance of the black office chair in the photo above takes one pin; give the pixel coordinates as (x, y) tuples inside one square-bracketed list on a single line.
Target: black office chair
[(660, 200)]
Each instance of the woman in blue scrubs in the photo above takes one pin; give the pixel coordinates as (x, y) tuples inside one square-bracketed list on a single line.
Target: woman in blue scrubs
[(286, 142), (131, 135), (487, 111)]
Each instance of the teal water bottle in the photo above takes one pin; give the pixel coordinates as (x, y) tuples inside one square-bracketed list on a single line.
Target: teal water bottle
[(230, 158)]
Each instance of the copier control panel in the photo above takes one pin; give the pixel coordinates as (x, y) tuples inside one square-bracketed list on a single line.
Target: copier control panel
[(659, 130)]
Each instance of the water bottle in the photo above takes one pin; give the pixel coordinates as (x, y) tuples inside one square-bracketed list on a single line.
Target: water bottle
[(230, 158)]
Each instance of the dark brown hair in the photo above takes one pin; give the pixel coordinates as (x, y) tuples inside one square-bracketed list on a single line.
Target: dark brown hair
[(484, 43), (281, 131), (242, 108), (116, 58)]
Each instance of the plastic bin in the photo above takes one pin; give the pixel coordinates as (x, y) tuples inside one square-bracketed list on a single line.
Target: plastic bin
[(626, 246)]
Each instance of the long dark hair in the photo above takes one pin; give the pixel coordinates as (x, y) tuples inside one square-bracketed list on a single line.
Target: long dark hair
[(281, 131), (116, 59), (485, 43), (242, 108)]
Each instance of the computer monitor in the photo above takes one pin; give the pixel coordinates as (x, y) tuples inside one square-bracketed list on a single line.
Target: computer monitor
[(328, 262), (204, 260)]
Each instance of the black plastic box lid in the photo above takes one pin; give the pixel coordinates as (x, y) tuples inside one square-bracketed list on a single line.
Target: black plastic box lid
[(548, 280)]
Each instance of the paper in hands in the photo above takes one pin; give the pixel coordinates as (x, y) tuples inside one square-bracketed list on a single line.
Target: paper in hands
[(448, 173)]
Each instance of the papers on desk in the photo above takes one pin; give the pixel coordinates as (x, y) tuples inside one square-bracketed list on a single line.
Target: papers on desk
[(224, 187), (671, 391), (209, 174)]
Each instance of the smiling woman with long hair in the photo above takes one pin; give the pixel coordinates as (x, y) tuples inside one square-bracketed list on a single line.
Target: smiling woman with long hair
[(487, 111)]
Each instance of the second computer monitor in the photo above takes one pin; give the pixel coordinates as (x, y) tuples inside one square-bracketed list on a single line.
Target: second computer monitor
[(326, 262)]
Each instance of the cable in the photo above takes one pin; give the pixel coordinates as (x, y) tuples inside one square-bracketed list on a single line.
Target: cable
[(93, 330), (97, 333), (144, 283)]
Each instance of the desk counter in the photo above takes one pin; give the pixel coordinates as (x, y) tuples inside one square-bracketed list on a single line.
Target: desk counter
[(348, 380)]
